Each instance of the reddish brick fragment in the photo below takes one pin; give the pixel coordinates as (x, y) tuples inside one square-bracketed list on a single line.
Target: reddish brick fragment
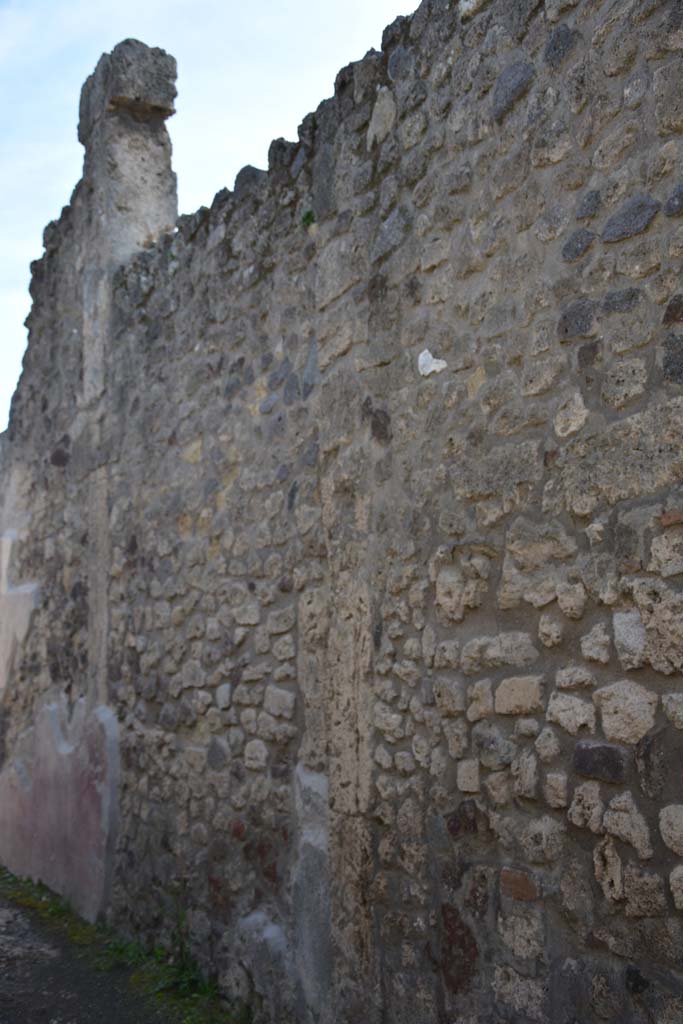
[(519, 885)]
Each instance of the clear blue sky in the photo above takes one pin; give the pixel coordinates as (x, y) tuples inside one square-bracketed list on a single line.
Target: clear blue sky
[(248, 73)]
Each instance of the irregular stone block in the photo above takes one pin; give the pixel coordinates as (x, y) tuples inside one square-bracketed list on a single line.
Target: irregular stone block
[(519, 695), (390, 723), (522, 933), (218, 755), (668, 99), (571, 415), (589, 205), (577, 320), (279, 702), (390, 235), (587, 808), (512, 84), (676, 884), (635, 456), (497, 786), (627, 710), (555, 789), (524, 771), (608, 869), (543, 840), (560, 44), (673, 708), (623, 382), (480, 697), (577, 245), (644, 893), (574, 677), (224, 696), (468, 776), (571, 713), (624, 821), (595, 646), (519, 885), (571, 598), (514, 649), (629, 638), (494, 750), (449, 695), (633, 218), (671, 827), (673, 207), (547, 745), (672, 364), (255, 755), (603, 761), (457, 737), (550, 630), (661, 609), (383, 117), (673, 314), (666, 554), (457, 591), (622, 300)]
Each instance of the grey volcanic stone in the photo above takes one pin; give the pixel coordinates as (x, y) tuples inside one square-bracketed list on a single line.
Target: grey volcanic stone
[(622, 300), (512, 84), (561, 43), (634, 217), (310, 374), (674, 204), (589, 205), (391, 234), (577, 244), (217, 756), (673, 358), (577, 320), (674, 311), (268, 404), (603, 761)]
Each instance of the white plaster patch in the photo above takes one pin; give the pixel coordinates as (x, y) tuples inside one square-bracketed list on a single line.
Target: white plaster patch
[(427, 364)]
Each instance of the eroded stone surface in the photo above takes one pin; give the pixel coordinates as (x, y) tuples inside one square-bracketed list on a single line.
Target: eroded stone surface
[(623, 820), (571, 713), (671, 827), (519, 695), (627, 710)]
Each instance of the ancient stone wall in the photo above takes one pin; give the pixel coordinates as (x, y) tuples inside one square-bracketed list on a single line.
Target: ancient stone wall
[(342, 619)]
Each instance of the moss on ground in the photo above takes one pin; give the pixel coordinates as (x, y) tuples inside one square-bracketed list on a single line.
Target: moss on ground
[(170, 981)]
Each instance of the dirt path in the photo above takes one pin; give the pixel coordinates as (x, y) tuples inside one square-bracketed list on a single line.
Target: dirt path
[(45, 980)]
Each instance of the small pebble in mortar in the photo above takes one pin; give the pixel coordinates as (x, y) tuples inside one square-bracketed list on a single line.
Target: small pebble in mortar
[(427, 364)]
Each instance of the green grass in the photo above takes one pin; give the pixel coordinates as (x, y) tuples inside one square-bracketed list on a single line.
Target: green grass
[(170, 979)]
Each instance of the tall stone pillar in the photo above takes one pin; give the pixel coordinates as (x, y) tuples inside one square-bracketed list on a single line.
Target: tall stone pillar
[(59, 776), (129, 194)]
